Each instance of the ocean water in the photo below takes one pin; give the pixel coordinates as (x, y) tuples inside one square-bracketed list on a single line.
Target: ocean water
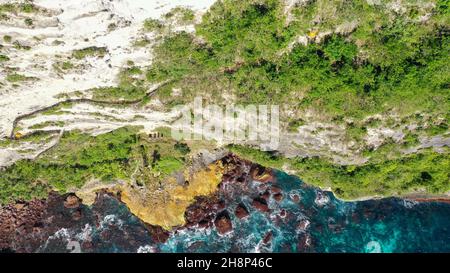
[(307, 219), (319, 222)]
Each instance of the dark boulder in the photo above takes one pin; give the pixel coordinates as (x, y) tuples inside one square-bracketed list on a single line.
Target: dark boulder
[(260, 204), (223, 222), (241, 211)]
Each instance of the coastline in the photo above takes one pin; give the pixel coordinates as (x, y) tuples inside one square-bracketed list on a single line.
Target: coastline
[(419, 197)]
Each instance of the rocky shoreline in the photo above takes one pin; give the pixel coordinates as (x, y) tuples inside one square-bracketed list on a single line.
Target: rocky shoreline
[(25, 226), (28, 226)]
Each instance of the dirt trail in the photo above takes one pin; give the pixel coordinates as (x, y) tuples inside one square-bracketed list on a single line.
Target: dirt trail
[(64, 27)]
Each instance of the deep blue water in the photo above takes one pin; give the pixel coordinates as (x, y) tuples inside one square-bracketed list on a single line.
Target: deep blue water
[(314, 222)]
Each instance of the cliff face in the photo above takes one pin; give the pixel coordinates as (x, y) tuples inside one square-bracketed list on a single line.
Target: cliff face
[(49, 52), (349, 93), (251, 209)]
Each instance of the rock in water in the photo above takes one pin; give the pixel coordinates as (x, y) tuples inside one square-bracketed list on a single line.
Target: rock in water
[(260, 204), (223, 223), (241, 211), (278, 197)]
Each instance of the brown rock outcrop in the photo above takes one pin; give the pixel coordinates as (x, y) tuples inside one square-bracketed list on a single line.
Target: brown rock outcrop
[(241, 211), (223, 223), (260, 204)]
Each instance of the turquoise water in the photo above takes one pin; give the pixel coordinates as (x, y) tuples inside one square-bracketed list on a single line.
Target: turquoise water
[(326, 225), (312, 221)]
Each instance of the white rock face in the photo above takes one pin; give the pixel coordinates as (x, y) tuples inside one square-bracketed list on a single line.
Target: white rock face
[(69, 25)]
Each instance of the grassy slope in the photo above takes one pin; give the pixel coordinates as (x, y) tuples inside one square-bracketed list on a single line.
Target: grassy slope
[(423, 171), (388, 62), (80, 157)]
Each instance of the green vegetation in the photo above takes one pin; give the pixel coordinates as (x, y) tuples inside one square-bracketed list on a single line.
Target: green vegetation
[(384, 64), (46, 124), (63, 66), (67, 65), (7, 38), (153, 25), (168, 165), (14, 78), (7, 8), (182, 14), (389, 150), (411, 140), (16, 8), (117, 93), (437, 129), (75, 160), (80, 157), (92, 51), (112, 27), (183, 148), (426, 170), (130, 87), (293, 125), (355, 132), (35, 138), (28, 8), (28, 21), (17, 45), (3, 58), (141, 43), (360, 60), (57, 42), (17, 184)]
